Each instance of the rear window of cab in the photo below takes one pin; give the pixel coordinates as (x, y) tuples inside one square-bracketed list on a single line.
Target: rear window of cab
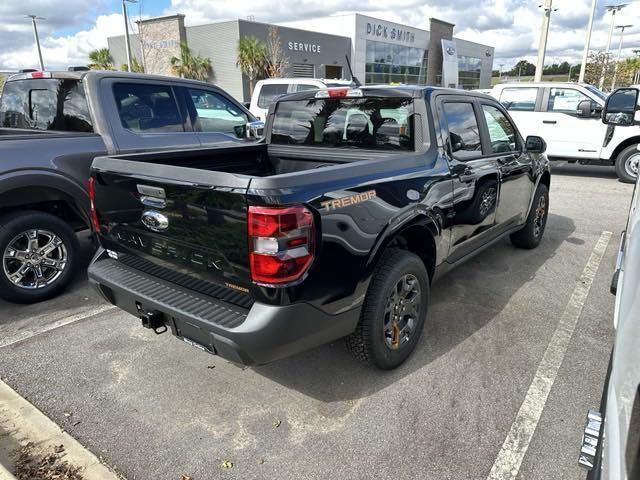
[(364, 122)]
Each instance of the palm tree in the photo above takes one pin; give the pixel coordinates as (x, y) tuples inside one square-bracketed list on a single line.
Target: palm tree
[(251, 59), (101, 59), (136, 66), (190, 65)]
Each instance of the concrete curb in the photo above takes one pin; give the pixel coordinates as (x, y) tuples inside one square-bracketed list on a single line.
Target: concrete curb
[(24, 423), (6, 474)]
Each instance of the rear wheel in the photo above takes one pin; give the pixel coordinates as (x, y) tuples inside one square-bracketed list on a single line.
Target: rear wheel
[(394, 311), (628, 164), (39, 256), (531, 234)]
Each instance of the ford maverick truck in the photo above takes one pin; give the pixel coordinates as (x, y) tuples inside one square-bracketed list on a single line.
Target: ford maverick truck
[(335, 225)]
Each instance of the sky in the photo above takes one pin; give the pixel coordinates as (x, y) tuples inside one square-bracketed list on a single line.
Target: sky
[(70, 29)]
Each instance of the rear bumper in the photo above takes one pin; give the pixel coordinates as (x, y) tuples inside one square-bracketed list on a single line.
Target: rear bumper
[(254, 336)]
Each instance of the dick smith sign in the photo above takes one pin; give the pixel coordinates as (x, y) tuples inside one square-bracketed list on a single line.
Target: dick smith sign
[(389, 32), (304, 47)]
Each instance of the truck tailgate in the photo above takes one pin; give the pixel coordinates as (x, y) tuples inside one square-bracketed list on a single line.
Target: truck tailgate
[(184, 225)]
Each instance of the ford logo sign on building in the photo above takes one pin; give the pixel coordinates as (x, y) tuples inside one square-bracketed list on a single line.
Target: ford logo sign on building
[(155, 220)]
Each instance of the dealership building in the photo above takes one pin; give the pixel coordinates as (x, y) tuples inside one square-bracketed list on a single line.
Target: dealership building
[(379, 51)]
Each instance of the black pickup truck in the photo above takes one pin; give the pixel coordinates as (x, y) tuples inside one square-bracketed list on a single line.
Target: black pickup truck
[(52, 126), (335, 226)]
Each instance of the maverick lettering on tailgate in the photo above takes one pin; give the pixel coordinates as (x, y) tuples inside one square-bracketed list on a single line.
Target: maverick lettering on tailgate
[(350, 200)]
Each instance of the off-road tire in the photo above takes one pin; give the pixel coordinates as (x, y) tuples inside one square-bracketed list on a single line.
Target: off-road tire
[(12, 225), (527, 237), (622, 169), (367, 343)]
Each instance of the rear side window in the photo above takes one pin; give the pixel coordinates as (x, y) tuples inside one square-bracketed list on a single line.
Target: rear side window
[(464, 133), (147, 108), (270, 92), (519, 99), (303, 87), (45, 104), (502, 134)]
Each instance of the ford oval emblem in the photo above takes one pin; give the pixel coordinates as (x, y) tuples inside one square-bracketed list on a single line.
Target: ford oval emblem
[(155, 220)]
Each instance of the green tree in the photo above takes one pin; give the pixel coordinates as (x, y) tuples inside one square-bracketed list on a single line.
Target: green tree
[(522, 68), (136, 66), (101, 59), (191, 66), (251, 59)]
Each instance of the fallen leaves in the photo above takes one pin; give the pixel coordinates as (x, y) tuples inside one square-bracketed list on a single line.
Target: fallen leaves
[(277, 423), (227, 464), (30, 465)]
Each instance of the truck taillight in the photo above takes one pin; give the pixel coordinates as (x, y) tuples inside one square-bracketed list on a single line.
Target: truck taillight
[(281, 243), (93, 214)]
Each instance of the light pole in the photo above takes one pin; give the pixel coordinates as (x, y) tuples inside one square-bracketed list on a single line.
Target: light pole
[(126, 31), (544, 33), (500, 74), (615, 71), (613, 9), (585, 53), (35, 34)]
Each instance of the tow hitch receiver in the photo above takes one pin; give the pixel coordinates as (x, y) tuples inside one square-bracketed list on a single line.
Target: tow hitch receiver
[(152, 319), (590, 440)]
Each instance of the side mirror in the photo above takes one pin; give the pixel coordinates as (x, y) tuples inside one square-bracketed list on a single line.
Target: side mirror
[(585, 108), (535, 144), (255, 129), (622, 108)]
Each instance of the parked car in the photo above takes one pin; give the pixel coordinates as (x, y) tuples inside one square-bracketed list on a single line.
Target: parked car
[(267, 91), (52, 125), (256, 252), (611, 440), (567, 116)]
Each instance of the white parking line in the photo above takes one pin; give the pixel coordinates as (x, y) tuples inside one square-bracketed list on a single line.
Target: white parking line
[(65, 320), (514, 448)]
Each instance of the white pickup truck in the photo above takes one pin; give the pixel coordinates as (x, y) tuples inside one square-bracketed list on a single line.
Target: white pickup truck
[(567, 116)]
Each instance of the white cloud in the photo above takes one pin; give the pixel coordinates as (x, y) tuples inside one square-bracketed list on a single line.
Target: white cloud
[(59, 52)]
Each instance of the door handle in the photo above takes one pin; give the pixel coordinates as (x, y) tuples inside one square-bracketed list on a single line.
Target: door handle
[(467, 176), (549, 122)]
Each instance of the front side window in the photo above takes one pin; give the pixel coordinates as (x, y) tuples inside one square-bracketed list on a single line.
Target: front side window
[(270, 92), (147, 108), (565, 100), (217, 114), (374, 123), (521, 99), (502, 134), (464, 133), (45, 104)]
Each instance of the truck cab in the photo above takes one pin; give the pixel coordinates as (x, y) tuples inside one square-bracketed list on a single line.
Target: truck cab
[(568, 116)]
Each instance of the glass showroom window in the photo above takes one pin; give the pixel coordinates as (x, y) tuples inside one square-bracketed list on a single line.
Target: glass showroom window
[(469, 72), (389, 63)]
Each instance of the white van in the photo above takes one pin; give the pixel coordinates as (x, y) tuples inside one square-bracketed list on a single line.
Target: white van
[(268, 90), (567, 116)]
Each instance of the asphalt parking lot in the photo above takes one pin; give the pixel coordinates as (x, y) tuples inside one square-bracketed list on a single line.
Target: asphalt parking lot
[(155, 408)]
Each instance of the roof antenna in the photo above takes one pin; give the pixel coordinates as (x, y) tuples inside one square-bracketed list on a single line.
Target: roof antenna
[(354, 79)]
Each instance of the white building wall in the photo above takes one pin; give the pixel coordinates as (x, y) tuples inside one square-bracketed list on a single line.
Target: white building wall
[(478, 50)]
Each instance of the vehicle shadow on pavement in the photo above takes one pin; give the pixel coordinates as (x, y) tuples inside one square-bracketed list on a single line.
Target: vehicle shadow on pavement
[(577, 170), (462, 302)]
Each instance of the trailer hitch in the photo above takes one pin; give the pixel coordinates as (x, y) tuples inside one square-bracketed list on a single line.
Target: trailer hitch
[(152, 319)]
